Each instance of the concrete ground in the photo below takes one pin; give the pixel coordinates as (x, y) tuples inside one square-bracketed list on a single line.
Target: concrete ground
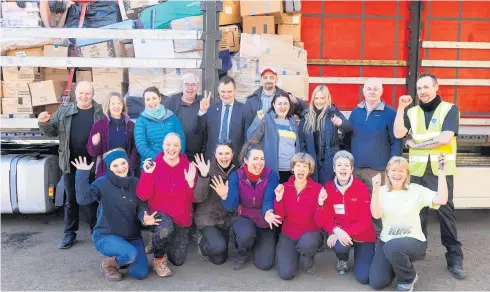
[(31, 261)]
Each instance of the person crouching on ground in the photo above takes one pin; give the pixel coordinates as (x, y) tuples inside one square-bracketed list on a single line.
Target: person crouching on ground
[(296, 204), (212, 219), (167, 183), (250, 196), (346, 216), (117, 234), (398, 204)]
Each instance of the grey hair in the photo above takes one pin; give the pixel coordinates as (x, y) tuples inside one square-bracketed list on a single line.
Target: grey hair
[(343, 154), (188, 76)]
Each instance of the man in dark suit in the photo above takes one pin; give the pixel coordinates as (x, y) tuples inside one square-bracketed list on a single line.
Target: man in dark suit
[(227, 119)]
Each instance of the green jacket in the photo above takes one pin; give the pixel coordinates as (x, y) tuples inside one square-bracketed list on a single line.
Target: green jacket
[(60, 125)]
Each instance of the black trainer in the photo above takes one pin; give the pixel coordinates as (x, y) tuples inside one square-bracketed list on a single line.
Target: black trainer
[(68, 241), (241, 260)]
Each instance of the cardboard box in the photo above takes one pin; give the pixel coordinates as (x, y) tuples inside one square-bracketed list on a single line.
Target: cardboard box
[(245, 71), (298, 85), (285, 60), (291, 18), (290, 29), (21, 73), (189, 55), (299, 45), (259, 24), (230, 38), (15, 89), (154, 49), (21, 105), (188, 23), (47, 92), (129, 50), (84, 76), (55, 51), (111, 48), (252, 45), (230, 13), (103, 89), (172, 80), (267, 7), (142, 78), (113, 75), (55, 74), (29, 52)]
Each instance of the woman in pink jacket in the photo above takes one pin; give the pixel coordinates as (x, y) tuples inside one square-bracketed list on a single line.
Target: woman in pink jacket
[(168, 185)]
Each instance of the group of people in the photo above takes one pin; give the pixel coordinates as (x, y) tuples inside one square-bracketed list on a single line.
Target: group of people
[(283, 188)]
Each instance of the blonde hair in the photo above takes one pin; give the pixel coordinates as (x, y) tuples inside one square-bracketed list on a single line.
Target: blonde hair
[(107, 103), (401, 162), (303, 158), (312, 122)]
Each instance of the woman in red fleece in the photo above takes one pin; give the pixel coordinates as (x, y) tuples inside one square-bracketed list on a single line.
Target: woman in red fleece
[(297, 203), (168, 185), (346, 216)]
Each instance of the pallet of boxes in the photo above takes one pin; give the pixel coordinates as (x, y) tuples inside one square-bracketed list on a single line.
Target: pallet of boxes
[(271, 38)]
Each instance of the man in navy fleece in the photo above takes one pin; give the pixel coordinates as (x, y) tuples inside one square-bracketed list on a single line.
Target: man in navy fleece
[(373, 142)]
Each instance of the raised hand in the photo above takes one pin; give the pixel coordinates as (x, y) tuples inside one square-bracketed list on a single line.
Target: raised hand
[(149, 165), (404, 101), (279, 192), (260, 114), (376, 181), (150, 219), (81, 163), (44, 117), (205, 102), (219, 187), (96, 139), (202, 165), (190, 175), (336, 121), (272, 218), (322, 197)]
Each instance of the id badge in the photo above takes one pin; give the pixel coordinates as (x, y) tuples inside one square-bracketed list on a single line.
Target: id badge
[(339, 209)]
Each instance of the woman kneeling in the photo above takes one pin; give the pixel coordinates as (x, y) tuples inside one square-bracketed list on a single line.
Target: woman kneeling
[(168, 187), (117, 233), (346, 216), (398, 204), (296, 204)]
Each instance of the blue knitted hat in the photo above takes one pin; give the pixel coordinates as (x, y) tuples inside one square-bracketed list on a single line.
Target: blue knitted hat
[(115, 154)]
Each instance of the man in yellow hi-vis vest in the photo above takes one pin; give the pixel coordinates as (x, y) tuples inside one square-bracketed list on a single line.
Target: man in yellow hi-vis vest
[(433, 125)]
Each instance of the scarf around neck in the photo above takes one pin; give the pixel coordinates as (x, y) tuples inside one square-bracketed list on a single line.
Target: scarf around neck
[(157, 114), (431, 105), (252, 177)]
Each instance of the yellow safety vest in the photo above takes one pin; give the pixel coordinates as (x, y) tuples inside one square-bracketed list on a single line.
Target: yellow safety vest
[(418, 158)]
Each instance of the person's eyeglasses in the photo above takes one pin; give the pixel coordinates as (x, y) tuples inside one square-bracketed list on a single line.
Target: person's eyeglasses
[(189, 85)]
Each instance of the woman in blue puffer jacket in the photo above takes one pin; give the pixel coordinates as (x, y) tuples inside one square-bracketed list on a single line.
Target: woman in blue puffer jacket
[(153, 124)]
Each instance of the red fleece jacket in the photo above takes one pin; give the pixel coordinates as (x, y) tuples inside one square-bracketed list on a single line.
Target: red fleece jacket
[(357, 218), (167, 191), (298, 211)]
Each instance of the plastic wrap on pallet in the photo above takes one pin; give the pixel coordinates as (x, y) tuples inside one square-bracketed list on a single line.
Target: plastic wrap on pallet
[(245, 71), (99, 13), (160, 16)]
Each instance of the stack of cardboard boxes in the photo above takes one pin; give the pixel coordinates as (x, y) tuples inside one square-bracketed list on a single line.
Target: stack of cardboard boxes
[(14, 16), (28, 90)]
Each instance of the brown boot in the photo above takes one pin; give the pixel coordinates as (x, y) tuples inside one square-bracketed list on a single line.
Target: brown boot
[(109, 269), (161, 268), (149, 247)]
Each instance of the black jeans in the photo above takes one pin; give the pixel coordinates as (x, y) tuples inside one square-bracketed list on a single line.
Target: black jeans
[(289, 251), (170, 239), (363, 257), (72, 208), (394, 258), (260, 241), (447, 218), (214, 244)]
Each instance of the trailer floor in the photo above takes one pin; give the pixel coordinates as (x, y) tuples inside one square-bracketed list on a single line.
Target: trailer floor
[(31, 261)]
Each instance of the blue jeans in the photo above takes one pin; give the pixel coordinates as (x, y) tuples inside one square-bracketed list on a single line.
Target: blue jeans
[(363, 256), (130, 253)]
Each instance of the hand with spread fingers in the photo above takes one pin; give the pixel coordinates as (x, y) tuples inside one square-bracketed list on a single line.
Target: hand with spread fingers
[(272, 219), (202, 165), (220, 187), (150, 220), (81, 163), (342, 236), (190, 175)]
